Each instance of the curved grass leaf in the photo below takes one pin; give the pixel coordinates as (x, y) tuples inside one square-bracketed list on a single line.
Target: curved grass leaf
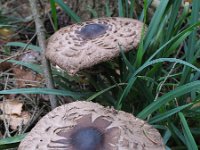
[(133, 77), (167, 114), (160, 60), (190, 142), (179, 91)]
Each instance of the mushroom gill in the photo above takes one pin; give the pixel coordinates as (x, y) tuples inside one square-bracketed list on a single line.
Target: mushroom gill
[(85, 44), (87, 135), (90, 126)]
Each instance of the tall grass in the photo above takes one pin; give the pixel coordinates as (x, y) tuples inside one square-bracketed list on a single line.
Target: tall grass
[(159, 82)]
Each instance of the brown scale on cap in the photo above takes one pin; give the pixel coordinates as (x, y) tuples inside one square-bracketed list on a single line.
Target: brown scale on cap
[(90, 126), (83, 45)]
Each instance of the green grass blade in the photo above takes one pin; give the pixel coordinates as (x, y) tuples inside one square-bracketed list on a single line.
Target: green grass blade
[(190, 142), (167, 136), (103, 91), (155, 23), (128, 64), (120, 8), (127, 7), (107, 9), (160, 60), (167, 114), (23, 45), (177, 132), (190, 45), (68, 10), (75, 95), (34, 67), (92, 11), (125, 92), (180, 35), (143, 11), (141, 50), (177, 43), (179, 91), (172, 18), (131, 8), (193, 37), (11, 141), (54, 14)]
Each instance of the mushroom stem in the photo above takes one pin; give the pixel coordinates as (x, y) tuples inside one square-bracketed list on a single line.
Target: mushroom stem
[(41, 39)]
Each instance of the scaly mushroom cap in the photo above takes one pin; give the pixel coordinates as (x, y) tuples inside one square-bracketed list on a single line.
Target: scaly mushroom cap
[(90, 126), (83, 45)]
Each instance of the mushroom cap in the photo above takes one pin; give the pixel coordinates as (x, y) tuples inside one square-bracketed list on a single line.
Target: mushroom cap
[(90, 126), (85, 44)]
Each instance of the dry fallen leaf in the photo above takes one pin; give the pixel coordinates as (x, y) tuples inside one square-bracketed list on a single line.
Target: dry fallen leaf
[(197, 105), (13, 114), (14, 120), (11, 107), (5, 65), (6, 33), (26, 78)]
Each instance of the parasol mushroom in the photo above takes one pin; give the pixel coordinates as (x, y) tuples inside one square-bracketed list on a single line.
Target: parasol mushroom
[(90, 126), (83, 45)]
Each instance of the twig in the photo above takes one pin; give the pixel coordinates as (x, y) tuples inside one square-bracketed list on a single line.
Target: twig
[(6, 123), (41, 39), (20, 53), (167, 76)]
